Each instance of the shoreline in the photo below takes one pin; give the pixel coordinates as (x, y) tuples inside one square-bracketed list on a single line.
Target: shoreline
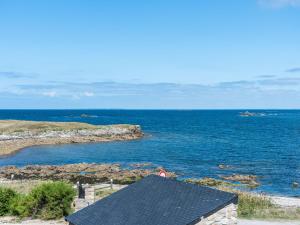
[(136, 174), (94, 173), (13, 149), (91, 173), (99, 175), (15, 135)]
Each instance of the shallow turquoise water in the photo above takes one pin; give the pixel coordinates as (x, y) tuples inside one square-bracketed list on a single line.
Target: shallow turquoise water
[(191, 143)]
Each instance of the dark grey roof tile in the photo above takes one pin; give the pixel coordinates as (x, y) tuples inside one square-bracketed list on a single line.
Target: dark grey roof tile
[(154, 201)]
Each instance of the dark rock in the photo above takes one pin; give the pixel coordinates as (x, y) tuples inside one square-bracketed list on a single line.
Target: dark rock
[(250, 180), (82, 172), (295, 185)]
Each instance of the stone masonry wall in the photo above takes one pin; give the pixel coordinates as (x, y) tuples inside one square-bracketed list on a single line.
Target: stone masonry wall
[(225, 216)]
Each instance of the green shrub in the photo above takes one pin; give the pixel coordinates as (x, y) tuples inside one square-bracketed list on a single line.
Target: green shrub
[(51, 200), (46, 201), (6, 197), (253, 206), (19, 207)]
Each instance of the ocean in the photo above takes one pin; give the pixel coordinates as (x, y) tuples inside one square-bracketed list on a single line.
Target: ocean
[(191, 143)]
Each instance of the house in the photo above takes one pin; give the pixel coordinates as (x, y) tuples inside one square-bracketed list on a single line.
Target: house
[(156, 200)]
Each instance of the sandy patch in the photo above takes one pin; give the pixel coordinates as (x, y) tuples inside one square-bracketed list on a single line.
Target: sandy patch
[(262, 222)]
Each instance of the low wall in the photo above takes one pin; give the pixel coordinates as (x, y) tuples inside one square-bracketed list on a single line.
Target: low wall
[(225, 216)]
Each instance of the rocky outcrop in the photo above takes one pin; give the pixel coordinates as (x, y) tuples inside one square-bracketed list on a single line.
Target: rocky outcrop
[(224, 166), (83, 172), (15, 135), (250, 180), (207, 181)]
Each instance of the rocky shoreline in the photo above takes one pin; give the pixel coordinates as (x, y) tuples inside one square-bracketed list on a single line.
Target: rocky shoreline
[(94, 174), (83, 172), (16, 134)]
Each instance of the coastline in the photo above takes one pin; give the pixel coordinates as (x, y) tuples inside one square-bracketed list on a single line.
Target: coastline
[(283, 203), (181, 141), (90, 173), (97, 176), (16, 135), (94, 173)]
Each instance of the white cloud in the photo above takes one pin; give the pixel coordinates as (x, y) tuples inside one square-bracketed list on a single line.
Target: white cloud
[(50, 93), (278, 92), (88, 94), (279, 3)]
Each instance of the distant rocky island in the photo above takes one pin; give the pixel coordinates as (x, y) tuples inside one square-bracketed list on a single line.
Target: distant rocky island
[(251, 114), (18, 134)]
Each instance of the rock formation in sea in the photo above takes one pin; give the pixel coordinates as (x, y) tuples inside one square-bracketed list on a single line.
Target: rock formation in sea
[(18, 134)]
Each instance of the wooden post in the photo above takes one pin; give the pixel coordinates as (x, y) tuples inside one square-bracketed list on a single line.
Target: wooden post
[(111, 183)]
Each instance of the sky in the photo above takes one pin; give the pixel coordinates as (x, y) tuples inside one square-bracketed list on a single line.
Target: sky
[(150, 54)]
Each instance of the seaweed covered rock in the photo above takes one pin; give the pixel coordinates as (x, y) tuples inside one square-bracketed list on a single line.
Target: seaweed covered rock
[(83, 172)]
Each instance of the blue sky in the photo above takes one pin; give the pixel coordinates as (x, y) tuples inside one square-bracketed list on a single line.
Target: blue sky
[(150, 54)]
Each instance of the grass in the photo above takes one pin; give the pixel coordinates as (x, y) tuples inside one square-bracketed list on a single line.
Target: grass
[(19, 126), (261, 207), (18, 134), (254, 206), (250, 205), (103, 193), (23, 187)]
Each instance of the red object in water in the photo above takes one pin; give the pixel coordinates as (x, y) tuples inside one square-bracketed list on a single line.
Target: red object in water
[(162, 173)]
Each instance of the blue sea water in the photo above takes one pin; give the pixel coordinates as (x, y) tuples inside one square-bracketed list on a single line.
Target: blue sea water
[(191, 143)]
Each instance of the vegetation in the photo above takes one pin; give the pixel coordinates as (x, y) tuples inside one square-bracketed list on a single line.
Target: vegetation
[(45, 201), (18, 134), (50, 200), (104, 193), (211, 182), (20, 126), (251, 205), (258, 206), (24, 186), (128, 180), (6, 197)]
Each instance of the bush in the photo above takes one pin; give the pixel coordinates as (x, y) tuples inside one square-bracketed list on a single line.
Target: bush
[(51, 200), (19, 207), (6, 197), (46, 201)]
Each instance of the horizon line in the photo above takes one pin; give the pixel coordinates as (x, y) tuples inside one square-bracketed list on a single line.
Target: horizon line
[(149, 109)]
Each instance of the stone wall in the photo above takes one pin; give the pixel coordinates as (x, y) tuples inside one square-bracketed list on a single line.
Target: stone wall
[(225, 216)]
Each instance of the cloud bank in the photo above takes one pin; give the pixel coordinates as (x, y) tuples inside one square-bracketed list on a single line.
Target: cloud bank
[(268, 92)]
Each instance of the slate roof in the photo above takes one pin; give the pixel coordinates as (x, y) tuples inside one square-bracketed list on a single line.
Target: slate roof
[(154, 201)]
